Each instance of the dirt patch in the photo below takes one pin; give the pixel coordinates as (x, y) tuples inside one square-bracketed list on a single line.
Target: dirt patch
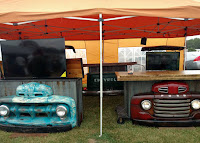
[(16, 135), (91, 141)]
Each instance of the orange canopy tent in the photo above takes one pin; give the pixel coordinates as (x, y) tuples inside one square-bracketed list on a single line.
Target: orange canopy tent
[(25, 19), (124, 27), (97, 20)]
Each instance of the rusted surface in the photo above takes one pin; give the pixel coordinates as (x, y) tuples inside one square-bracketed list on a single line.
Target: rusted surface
[(58, 83), (65, 87)]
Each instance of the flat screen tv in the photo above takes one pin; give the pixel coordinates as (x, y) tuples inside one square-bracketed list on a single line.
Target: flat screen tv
[(162, 60), (38, 58)]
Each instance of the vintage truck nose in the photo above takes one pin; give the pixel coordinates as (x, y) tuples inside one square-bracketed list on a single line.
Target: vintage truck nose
[(34, 108)]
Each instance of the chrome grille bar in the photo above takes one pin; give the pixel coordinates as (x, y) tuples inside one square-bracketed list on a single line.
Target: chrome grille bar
[(172, 101), (173, 105), (173, 112), (171, 108), (163, 89), (172, 116), (181, 89)]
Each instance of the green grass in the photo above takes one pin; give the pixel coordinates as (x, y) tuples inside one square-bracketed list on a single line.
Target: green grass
[(112, 132)]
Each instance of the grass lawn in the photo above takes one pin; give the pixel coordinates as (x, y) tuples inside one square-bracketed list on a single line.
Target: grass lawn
[(112, 132)]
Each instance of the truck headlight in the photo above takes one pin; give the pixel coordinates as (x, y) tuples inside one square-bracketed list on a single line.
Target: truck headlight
[(61, 111), (146, 104), (195, 104), (4, 110)]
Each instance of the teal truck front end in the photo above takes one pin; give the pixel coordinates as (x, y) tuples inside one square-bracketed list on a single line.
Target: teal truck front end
[(34, 108)]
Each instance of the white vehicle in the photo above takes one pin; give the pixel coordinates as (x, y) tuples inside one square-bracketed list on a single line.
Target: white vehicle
[(192, 61)]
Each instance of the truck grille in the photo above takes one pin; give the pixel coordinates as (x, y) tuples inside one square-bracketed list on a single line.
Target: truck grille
[(163, 89), (181, 89), (32, 110), (173, 108)]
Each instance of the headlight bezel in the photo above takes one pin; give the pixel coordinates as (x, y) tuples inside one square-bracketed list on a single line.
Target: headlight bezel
[(193, 102), (145, 108), (61, 107), (7, 109)]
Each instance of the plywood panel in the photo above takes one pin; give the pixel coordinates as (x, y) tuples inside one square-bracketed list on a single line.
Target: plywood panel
[(74, 68)]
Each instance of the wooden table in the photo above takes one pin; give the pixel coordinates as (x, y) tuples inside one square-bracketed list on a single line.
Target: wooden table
[(159, 75), (141, 82)]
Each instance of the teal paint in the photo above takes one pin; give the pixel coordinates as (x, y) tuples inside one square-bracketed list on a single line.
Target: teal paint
[(35, 105)]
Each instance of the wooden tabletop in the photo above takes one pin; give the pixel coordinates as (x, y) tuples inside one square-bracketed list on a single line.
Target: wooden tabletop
[(159, 75)]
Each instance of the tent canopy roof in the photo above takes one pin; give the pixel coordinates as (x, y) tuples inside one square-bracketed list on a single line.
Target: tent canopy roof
[(151, 19), (24, 10), (72, 29)]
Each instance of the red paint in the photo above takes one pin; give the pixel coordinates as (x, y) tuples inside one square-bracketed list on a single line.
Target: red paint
[(172, 87), (197, 59), (138, 113), (136, 100), (84, 88)]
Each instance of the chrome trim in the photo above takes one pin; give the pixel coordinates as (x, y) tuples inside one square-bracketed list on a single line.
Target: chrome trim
[(172, 105), (63, 107), (172, 109), (181, 89), (173, 112), (172, 116), (163, 89), (8, 110), (172, 101)]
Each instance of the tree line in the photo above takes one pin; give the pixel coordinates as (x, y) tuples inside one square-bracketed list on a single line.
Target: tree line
[(193, 44)]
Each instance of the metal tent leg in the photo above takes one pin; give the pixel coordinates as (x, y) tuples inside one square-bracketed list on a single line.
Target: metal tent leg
[(101, 74)]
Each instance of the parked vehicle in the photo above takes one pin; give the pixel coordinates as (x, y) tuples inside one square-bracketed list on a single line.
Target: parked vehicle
[(34, 108), (169, 104), (192, 61)]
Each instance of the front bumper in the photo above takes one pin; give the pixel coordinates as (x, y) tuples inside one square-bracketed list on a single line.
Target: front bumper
[(164, 123), (35, 129)]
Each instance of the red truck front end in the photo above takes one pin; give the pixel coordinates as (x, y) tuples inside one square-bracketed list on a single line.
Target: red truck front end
[(169, 104)]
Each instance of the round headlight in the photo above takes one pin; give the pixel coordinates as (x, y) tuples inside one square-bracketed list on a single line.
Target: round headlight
[(146, 104), (4, 110), (61, 111), (195, 104)]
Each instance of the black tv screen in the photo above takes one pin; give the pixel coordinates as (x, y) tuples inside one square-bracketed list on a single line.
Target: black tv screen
[(40, 58), (162, 60)]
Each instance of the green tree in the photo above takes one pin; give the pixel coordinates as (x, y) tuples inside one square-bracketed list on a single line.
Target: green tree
[(193, 44), (191, 50)]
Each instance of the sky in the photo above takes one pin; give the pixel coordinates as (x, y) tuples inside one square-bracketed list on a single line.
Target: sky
[(192, 37)]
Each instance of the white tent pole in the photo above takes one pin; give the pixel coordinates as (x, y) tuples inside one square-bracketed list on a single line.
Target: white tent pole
[(81, 18), (101, 74), (103, 51), (186, 28), (20, 23), (185, 52), (118, 18)]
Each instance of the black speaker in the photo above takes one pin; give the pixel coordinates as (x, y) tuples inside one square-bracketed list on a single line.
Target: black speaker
[(143, 41)]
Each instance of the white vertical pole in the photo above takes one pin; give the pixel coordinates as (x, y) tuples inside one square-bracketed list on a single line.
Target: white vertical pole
[(101, 74), (185, 51)]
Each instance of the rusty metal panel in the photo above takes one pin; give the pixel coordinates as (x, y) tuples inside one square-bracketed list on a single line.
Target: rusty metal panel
[(134, 87), (64, 87)]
